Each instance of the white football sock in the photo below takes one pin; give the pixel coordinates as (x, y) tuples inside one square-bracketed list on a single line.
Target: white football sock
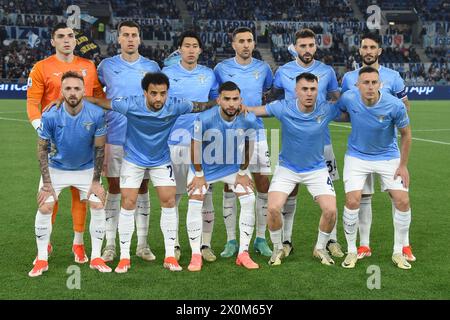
[(402, 221), (112, 211), (365, 221), (194, 224), (230, 214), (246, 221), (288, 214), (261, 215), (350, 220), (275, 237), (322, 240), (97, 228), (406, 240), (42, 230), (126, 229), (142, 216), (208, 218), (169, 228), (177, 203)]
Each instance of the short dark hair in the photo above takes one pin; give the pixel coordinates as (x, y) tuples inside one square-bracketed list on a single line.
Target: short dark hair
[(307, 76), (128, 23), (154, 78), (190, 34), (240, 30), (304, 33), (61, 25), (72, 74), (229, 86), (367, 69), (372, 36)]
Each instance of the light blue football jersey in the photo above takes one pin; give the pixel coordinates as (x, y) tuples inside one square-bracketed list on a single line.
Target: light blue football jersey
[(302, 134), (391, 82), (72, 137), (122, 79), (147, 130), (253, 79), (198, 85), (373, 135), (222, 142), (285, 78)]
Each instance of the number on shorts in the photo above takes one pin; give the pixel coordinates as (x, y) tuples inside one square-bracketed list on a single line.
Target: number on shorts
[(330, 183), (170, 168)]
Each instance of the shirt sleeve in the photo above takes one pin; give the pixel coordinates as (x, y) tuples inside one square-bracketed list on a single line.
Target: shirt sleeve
[(341, 104), (100, 72), (184, 106), (344, 86), (46, 129), (399, 87), (268, 82), (275, 108), (35, 92), (217, 74), (98, 87), (214, 92), (333, 83), (122, 104), (277, 81), (101, 126), (401, 118)]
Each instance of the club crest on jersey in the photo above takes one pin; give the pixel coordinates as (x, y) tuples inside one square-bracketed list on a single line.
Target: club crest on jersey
[(256, 74), (240, 132), (381, 118), (84, 72), (319, 119), (202, 78), (88, 125)]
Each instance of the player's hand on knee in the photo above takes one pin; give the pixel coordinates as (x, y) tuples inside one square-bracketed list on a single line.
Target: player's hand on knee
[(245, 182), (44, 193), (402, 171), (198, 183), (97, 189)]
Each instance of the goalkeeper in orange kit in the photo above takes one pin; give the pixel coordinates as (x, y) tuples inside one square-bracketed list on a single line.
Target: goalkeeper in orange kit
[(44, 86)]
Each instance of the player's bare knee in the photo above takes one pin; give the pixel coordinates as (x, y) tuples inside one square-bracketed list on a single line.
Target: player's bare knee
[(329, 213), (47, 208), (402, 203), (128, 204), (352, 202), (168, 203)]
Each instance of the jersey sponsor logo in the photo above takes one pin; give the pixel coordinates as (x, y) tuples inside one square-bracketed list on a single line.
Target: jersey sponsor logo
[(176, 80), (88, 125), (231, 75), (116, 72)]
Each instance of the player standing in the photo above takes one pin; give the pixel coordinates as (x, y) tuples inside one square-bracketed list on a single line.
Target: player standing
[(254, 77), (121, 75)]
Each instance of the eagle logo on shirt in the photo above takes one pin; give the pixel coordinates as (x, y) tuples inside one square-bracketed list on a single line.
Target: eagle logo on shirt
[(256, 74), (84, 72), (381, 118), (319, 119), (202, 78), (88, 125)]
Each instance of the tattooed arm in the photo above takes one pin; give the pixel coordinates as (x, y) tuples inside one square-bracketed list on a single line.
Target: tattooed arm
[(99, 156), (203, 106), (47, 188)]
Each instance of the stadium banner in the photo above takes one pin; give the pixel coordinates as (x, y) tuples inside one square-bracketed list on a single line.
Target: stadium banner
[(175, 24), (437, 28), (12, 90), (436, 41), (323, 41), (327, 27), (22, 33), (388, 40), (27, 19), (225, 25), (220, 38)]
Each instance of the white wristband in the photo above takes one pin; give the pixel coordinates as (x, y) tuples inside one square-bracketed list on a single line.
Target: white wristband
[(199, 174), (36, 123), (242, 172)]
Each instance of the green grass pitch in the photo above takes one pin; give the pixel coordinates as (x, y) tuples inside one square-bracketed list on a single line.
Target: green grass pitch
[(299, 277)]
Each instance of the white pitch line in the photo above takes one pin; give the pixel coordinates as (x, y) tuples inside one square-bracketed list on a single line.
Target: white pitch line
[(9, 119), (2, 112), (429, 130)]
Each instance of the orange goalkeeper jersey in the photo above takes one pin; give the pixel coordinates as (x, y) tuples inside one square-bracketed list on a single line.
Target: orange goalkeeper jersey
[(44, 82)]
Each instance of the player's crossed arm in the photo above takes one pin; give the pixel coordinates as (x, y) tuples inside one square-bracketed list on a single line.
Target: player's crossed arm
[(47, 188)]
